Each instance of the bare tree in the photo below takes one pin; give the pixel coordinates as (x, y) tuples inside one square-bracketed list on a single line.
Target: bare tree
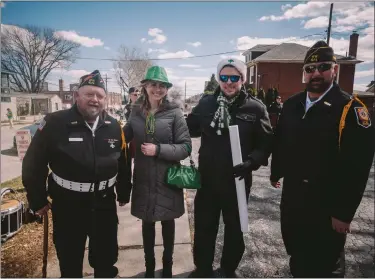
[(131, 66), (175, 93), (31, 53)]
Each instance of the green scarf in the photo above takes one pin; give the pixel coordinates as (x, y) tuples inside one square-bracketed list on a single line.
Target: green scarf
[(150, 123), (222, 118)]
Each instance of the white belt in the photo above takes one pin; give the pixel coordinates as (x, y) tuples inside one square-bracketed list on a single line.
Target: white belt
[(83, 187)]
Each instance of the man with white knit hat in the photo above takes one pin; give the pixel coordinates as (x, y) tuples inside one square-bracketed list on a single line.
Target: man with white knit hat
[(210, 120)]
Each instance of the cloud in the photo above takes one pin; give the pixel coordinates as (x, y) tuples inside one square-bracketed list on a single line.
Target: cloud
[(284, 7), (343, 29), (159, 37), (82, 40), (365, 73), (70, 73), (178, 54), (107, 48), (232, 42), (340, 45), (160, 50), (239, 57), (344, 13), (189, 66), (360, 86), (196, 44), (318, 22), (211, 70), (310, 9)]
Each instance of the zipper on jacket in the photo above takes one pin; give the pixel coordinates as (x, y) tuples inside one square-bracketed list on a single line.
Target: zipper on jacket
[(304, 107)]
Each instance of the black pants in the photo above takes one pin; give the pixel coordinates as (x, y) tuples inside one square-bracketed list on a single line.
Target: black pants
[(74, 221), (316, 250), (207, 208), (148, 234)]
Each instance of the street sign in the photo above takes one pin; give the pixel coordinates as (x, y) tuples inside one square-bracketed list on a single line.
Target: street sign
[(23, 140)]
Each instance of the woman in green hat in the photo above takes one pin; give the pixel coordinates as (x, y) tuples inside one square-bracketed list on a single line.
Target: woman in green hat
[(162, 138)]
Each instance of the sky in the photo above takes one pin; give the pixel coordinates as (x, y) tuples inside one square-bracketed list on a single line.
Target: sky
[(181, 30)]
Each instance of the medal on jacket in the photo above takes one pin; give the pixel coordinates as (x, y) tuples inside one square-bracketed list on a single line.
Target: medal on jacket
[(111, 142)]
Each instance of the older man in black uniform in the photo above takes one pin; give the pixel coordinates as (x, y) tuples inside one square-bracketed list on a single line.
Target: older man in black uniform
[(85, 150), (324, 150), (210, 120)]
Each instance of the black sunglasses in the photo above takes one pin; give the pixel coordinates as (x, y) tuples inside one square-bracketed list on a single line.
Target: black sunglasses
[(225, 78), (321, 68)]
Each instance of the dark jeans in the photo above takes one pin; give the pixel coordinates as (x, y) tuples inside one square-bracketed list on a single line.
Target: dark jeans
[(168, 233), (207, 208), (73, 222)]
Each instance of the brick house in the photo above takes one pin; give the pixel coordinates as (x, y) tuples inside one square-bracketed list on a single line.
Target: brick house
[(280, 66), (67, 96)]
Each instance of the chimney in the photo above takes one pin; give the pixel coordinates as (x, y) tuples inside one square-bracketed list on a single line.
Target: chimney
[(353, 44), (61, 85)]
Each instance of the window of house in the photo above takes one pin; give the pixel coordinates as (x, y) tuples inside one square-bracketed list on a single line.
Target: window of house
[(5, 99), (251, 79), (4, 80), (56, 106), (68, 97)]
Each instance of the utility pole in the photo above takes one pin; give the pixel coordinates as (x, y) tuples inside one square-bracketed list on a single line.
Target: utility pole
[(329, 24), (185, 92), (106, 87)]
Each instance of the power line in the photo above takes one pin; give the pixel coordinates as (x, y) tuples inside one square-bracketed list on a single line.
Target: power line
[(190, 57)]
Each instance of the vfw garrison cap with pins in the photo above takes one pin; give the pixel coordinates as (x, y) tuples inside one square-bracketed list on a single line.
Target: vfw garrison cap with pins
[(320, 52), (94, 79)]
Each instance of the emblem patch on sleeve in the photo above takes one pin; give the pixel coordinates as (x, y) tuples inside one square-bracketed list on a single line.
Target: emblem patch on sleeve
[(41, 125), (363, 118)]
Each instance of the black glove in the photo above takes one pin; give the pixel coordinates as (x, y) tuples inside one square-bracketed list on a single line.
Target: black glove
[(241, 170)]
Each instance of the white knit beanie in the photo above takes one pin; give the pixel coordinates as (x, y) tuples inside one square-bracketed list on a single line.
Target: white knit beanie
[(238, 64)]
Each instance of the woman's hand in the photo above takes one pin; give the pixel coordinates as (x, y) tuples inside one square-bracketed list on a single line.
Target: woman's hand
[(148, 149)]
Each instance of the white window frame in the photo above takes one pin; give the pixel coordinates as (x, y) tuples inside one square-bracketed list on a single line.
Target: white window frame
[(251, 74)]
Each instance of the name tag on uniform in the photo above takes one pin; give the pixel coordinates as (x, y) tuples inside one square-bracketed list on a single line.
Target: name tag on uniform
[(75, 139)]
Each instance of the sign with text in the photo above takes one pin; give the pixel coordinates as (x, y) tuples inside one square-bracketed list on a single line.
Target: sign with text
[(23, 140)]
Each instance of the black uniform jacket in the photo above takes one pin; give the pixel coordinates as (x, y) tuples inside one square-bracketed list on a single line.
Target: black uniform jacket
[(68, 147), (215, 155), (307, 148)]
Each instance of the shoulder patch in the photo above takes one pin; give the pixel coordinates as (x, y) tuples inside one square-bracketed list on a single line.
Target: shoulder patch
[(42, 124), (363, 118)]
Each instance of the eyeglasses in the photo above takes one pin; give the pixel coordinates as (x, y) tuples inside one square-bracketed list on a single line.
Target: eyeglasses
[(225, 78), (134, 94), (321, 68)]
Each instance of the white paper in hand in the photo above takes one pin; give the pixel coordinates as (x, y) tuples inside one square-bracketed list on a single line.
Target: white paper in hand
[(240, 184)]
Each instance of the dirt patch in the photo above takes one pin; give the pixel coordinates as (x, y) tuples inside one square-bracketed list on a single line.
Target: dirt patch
[(22, 255)]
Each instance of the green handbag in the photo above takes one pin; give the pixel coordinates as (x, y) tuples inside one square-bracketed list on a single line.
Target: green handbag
[(184, 177)]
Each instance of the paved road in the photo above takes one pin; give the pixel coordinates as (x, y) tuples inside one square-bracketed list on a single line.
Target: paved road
[(265, 254), (10, 164)]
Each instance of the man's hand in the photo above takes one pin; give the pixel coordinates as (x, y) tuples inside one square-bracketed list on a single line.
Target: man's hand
[(276, 184), (241, 170), (122, 203), (43, 210), (339, 226), (148, 149)]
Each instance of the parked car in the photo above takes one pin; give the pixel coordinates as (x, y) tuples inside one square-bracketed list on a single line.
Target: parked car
[(32, 128)]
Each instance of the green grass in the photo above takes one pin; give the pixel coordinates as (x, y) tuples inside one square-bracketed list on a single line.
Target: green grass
[(15, 184)]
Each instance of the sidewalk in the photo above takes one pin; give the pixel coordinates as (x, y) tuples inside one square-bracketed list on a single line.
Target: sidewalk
[(131, 257)]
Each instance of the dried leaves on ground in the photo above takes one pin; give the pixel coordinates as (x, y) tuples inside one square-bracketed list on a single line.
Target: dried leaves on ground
[(22, 255)]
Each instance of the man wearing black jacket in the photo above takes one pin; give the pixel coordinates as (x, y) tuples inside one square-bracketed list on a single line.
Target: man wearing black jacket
[(85, 152), (324, 149), (210, 119)]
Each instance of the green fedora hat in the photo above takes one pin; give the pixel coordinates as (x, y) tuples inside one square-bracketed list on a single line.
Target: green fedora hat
[(157, 73)]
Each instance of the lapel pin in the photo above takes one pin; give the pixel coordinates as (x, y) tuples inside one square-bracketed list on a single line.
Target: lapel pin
[(326, 103), (74, 122)]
